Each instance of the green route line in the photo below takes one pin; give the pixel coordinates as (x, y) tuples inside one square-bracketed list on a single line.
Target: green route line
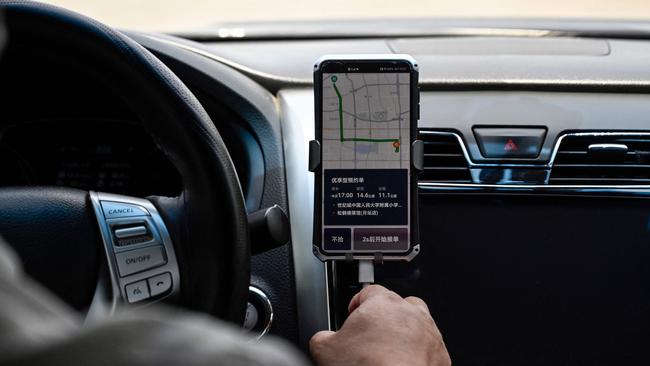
[(342, 137)]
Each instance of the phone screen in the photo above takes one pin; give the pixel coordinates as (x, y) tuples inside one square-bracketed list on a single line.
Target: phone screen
[(366, 163)]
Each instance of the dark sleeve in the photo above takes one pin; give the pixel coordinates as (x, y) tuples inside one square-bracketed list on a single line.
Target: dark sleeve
[(36, 328)]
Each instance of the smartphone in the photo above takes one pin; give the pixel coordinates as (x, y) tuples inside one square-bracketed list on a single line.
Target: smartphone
[(365, 201)]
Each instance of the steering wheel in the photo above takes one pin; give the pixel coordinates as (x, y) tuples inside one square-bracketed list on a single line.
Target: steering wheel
[(192, 250)]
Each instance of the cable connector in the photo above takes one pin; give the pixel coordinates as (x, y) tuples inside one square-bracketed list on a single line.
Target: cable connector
[(366, 273)]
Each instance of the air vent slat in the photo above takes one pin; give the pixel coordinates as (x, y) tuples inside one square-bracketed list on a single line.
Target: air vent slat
[(445, 155), (617, 166), (444, 160), (576, 163), (604, 180), (444, 168), (568, 152)]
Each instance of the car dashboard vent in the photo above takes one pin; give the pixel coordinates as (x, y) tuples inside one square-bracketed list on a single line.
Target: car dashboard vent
[(602, 159), (444, 160)]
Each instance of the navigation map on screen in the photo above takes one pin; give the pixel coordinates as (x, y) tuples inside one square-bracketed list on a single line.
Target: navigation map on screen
[(366, 163)]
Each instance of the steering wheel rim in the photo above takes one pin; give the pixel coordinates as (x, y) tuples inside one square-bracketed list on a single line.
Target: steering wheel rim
[(207, 221)]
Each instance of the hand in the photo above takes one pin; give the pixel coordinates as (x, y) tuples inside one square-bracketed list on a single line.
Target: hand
[(382, 329)]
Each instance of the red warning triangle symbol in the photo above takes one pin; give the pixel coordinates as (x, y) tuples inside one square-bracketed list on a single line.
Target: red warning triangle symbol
[(510, 146)]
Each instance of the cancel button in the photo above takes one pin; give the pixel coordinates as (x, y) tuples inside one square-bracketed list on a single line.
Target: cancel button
[(140, 259)]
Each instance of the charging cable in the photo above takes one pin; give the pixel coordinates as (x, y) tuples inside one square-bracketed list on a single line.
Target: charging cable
[(366, 273)]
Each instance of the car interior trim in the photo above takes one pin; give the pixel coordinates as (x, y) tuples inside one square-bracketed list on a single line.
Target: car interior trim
[(311, 282), (549, 164), (248, 71), (430, 84), (643, 190), (275, 82)]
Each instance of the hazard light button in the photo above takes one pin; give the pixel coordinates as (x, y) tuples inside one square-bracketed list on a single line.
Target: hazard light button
[(507, 143)]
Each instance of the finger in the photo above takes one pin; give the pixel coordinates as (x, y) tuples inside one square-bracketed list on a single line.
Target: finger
[(318, 340), (419, 303), (364, 295)]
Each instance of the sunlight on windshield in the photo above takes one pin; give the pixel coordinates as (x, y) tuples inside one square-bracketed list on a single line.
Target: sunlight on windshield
[(182, 15)]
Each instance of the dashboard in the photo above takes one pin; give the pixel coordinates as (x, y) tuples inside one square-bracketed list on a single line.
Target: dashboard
[(536, 258), (533, 202), (109, 156)]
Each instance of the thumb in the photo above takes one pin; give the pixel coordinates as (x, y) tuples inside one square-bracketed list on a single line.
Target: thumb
[(319, 340)]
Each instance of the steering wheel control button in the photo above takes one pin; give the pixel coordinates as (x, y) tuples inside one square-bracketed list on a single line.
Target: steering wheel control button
[(113, 210), (137, 291), (139, 251), (505, 143), (139, 260), (160, 284), (129, 232)]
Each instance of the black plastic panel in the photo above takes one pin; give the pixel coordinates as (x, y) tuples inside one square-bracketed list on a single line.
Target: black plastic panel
[(545, 280)]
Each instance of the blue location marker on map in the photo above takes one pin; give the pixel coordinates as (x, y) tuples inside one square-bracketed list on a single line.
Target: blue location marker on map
[(334, 78)]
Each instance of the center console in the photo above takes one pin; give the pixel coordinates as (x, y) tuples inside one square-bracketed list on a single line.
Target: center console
[(535, 231), (515, 278)]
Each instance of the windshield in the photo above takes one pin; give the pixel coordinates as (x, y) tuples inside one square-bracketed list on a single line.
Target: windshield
[(184, 15)]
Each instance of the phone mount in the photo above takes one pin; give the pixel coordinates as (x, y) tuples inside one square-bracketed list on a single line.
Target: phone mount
[(417, 164)]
